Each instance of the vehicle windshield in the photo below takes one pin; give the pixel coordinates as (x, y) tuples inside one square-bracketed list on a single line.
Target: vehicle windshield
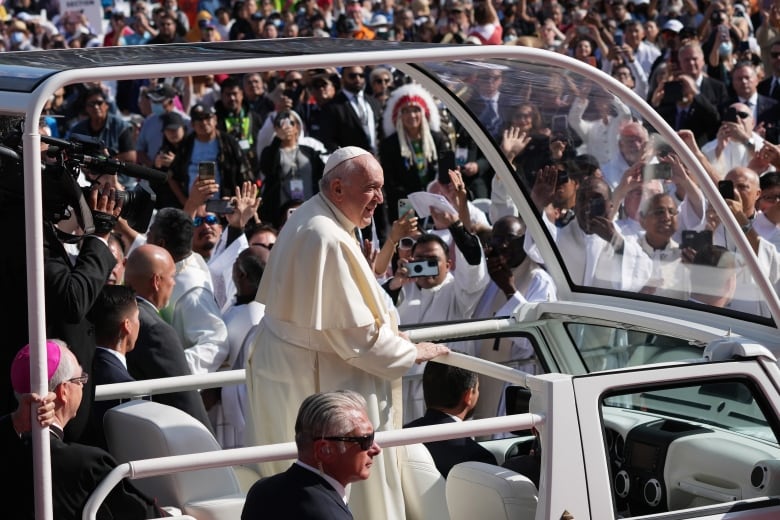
[(651, 231)]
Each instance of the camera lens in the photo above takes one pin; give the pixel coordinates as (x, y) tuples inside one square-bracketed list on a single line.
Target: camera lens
[(417, 269)]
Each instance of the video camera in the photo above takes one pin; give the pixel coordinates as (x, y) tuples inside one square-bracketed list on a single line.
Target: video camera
[(62, 195), (86, 154)]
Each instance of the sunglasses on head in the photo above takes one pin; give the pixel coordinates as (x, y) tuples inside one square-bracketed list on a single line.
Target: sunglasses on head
[(365, 442), (208, 219)]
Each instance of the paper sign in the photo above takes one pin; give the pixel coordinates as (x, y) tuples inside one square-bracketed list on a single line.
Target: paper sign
[(422, 202)]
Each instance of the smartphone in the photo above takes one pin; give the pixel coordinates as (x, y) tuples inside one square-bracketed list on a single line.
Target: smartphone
[(582, 30), (446, 163), (730, 116), (673, 92), (219, 206), (207, 169), (404, 206), (559, 125), (674, 57), (597, 207), (661, 171), (618, 38), (744, 46), (696, 240), (726, 189)]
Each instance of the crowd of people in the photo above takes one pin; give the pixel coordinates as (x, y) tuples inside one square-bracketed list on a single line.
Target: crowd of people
[(284, 242)]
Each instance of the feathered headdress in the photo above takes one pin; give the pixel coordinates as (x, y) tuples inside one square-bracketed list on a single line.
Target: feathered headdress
[(414, 95)]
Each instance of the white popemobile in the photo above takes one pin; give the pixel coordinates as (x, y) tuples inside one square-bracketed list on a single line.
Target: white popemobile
[(637, 404)]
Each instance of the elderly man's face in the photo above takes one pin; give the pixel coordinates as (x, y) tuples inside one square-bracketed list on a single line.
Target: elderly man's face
[(660, 221), (747, 184), (353, 463), (691, 61), (744, 81), (359, 194), (632, 146)]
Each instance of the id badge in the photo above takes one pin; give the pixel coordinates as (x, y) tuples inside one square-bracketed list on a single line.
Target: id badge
[(244, 144), (296, 189)]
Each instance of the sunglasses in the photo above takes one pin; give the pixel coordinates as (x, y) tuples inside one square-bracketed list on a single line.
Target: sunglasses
[(96, 103), (208, 219), (381, 80), (355, 75), (406, 243), (365, 442)]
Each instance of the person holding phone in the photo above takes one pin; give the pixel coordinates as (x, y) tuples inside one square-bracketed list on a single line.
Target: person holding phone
[(411, 153), (207, 144), (682, 104), (736, 142)]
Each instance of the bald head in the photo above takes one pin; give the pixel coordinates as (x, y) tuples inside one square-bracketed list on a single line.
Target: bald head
[(149, 271)]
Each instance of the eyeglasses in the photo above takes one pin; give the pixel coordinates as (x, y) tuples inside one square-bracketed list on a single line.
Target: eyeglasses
[(742, 115), (267, 246), (660, 212), (80, 380), (770, 198), (488, 78), (365, 442), (208, 219), (523, 115), (96, 103), (381, 80), (355, 75)]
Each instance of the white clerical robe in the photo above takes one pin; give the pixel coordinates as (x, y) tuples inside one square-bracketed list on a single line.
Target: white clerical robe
[(326, 327)]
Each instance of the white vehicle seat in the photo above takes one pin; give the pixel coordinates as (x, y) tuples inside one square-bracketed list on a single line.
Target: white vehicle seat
[(483, 204), (138, 430), (422, 484), (489, 492)]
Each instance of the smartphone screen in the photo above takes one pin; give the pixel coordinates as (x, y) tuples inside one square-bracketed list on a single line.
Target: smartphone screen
[(661, 171), (207, 169)]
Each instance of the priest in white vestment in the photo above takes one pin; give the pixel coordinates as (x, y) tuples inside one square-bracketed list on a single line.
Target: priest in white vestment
[(327, 327)]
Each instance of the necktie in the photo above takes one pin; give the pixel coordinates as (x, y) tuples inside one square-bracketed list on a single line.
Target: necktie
[(773, 88), (681, 115), (361, 110), (490, 118)]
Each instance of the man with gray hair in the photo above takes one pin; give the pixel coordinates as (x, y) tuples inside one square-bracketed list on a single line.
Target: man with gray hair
[(327, 325), (336, 447)]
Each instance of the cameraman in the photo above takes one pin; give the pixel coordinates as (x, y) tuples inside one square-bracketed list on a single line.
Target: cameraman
[(71, 282)]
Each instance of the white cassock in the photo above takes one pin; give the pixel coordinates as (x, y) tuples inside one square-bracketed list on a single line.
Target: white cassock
[(327, 327)]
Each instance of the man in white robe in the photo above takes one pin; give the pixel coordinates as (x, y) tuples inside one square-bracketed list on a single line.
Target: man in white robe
[(327, 326)]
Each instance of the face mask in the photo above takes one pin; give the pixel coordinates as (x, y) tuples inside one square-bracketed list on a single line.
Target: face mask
[(725, 49), (17, 38), (158, 108)]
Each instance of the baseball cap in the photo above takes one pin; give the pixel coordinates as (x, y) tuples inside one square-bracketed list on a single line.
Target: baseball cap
[(672, 25), (172, 120), (201, 112), (20, 367), (162, 92)]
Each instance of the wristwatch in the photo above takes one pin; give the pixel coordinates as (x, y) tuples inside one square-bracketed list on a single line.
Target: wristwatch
[(747, 227)]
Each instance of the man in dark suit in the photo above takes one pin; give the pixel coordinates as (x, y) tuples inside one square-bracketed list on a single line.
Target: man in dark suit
[(691, 59), (765, 110), (692, 111), (451, 393), (770, 86), (335, 442), (115, 315), (158, 352), (351, 118), (76, 469)]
